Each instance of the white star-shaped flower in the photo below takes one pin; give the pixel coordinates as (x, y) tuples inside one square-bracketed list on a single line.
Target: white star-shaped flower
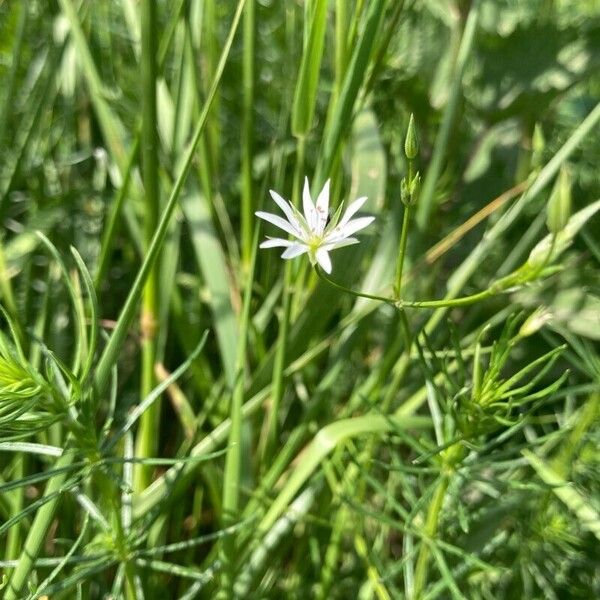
[(312, 232)]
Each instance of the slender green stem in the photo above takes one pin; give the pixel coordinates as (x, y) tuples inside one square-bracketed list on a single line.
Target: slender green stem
[(233, 459), (211, 42), (148, 431), (429, 532), (341, 39), (406, 332), (346, 290), (305, 95), (7, 295), (353, 29), (167, 37), (340, 519), (402, 250), (279, 362), (37, 532), (110, 230), (282, 339), (111, 495), (464, 301), (6, 109), (248, 129), (13, 543)]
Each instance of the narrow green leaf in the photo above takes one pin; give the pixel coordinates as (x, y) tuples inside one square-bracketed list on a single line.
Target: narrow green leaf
[(212, 264), (341, 118), (305, 96)]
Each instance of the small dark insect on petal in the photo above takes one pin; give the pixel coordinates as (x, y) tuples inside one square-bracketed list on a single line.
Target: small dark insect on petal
[(329, 217)]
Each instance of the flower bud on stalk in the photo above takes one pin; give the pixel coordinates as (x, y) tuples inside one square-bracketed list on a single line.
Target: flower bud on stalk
[(415, 187), (409, 190), (559, 204), (538, 144), (411, 143), (409, 187), (536, 320), (404, 192)]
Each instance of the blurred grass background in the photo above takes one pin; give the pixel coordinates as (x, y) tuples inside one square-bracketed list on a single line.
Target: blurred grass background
[(337, 472)]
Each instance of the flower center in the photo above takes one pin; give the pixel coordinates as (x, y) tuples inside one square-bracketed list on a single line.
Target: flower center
[(314, 242)]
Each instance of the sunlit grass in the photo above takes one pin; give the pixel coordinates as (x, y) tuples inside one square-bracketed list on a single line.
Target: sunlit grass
[(186, 415)]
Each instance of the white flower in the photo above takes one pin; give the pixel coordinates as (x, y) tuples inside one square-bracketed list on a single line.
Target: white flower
[(312, 233)]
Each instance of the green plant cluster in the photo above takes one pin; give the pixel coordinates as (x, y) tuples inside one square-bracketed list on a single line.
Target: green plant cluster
[(185, 415)]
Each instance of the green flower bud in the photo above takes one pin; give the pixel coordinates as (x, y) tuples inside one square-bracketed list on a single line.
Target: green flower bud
[(538, 143), (536, 320), (411, 143), (404, 192), (559, 204), (409, 190), (415, 187)]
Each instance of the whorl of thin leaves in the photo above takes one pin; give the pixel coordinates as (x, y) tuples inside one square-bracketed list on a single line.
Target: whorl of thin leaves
[(27, 400), (494, 400)]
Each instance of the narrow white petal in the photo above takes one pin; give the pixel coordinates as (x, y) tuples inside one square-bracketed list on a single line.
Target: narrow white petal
[(279, 222), (295, 250), (353, 208), (287, 210), (322, 208), (323, 259), (342, 232), (276, 243), (345, 242), (308, 206)]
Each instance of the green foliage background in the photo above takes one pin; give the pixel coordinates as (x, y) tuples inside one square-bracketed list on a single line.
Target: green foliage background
[(313, 444)]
